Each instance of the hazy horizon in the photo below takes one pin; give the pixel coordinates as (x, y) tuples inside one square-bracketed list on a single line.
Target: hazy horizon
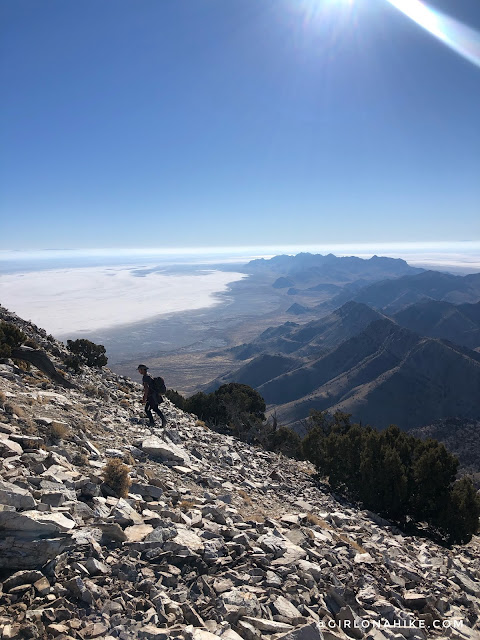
[(74, 292), (462, 255)]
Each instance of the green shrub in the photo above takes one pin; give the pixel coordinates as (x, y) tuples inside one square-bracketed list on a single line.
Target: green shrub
[(90, 353), (394, 474), (233, 405), (176, 398), (286, 441), (73, 362), (461, 517), (10, 338), (115, 475)]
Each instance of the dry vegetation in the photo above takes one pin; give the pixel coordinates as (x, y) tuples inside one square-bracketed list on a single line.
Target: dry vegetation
[(14, 409), (244, 495), (115, 475), (57, 431)]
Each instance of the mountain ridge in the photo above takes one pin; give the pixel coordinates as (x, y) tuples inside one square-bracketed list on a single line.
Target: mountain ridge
[(369, 366)]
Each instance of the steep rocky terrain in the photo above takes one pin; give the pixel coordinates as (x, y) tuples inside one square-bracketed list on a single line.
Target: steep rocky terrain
[(215, 538)]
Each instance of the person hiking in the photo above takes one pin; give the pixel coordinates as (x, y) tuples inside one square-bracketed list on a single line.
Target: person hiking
[(151, 397)]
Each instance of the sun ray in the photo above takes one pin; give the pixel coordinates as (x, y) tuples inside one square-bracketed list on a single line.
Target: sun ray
[(459, 37)]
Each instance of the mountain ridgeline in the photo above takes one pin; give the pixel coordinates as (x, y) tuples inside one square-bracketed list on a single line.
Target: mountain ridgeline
[(403, 351)]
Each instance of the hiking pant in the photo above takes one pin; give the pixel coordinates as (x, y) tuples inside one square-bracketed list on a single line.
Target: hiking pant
[(153, 404)]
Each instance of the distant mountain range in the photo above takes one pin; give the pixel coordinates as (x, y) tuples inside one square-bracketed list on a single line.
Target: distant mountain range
[(358, 360), (315, 272)]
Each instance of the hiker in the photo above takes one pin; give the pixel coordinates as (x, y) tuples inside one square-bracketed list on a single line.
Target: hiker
[(151, 397)]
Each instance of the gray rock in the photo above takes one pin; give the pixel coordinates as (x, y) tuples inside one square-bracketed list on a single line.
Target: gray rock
[(148, 490), (306, 632), (238, 603), (268, 626), (35, 523), (152, 632), (21, 577), (11, 494), (20, 553), (159, 449), (8, 447), (286, 609)]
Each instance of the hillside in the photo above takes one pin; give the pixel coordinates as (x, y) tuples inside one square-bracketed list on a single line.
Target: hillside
[(461, 437), (359, 361), (385, 374), (392, 295), (312, 337), (458, 323), (215, 539)]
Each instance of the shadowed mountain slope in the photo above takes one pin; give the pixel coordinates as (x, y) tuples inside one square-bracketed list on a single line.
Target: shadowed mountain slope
[(396, 294), (313, 337), (386, 374), (458, 323)]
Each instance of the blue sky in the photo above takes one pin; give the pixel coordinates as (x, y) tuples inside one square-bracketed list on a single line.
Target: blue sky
[(173, 123)]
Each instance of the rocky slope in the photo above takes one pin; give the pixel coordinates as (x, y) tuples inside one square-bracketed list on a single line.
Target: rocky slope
[(215, 539)]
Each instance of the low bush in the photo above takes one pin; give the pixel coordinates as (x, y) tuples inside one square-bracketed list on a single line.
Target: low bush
[(10, 338), (57, 431), (115, 475), (73, 362), (93, 355), (403, 478), (13, 409)]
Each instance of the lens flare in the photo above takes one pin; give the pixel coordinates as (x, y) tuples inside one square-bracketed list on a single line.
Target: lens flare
[(459, 37)]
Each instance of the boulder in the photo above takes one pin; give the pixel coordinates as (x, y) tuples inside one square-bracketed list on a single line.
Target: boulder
[(35, 523), (16, 497), (8, 447), (157, 448)]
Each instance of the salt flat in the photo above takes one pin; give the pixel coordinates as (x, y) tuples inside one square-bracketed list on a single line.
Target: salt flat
[(79, 300)]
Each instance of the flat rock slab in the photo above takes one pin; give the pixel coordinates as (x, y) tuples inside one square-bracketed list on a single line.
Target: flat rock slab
[(151, 632), (21, 577), (36, 522), (9, 448), (157, 448), (292, 555), (15, 496), (269, 626), (138, 532), (363, 558), (286, 609), (306, 632), (187, 539), (18, 553)]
